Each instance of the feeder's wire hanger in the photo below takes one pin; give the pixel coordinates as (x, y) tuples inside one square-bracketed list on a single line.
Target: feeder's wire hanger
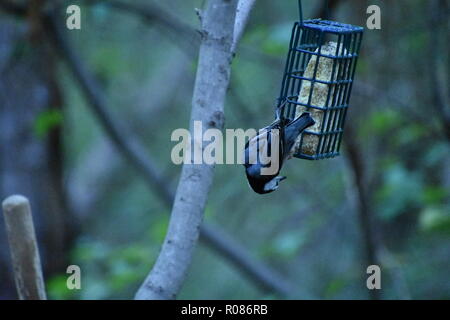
[(300, 11)]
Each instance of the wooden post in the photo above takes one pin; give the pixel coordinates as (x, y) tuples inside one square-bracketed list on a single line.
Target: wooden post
[(24, 250)]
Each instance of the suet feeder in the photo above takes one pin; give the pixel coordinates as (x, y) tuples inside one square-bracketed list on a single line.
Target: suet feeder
[(318, 78)]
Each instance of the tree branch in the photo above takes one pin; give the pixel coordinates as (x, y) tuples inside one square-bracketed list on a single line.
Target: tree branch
[(242, 14), (213, 75), (135, 153)]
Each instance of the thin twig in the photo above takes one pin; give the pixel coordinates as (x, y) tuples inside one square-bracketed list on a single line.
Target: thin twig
[(242, 14), (153, 14)]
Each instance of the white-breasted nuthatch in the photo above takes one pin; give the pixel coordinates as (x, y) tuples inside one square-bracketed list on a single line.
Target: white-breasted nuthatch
[(266, 152)]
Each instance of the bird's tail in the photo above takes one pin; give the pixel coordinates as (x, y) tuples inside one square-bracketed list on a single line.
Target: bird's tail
[(295, 128), (299, 124)]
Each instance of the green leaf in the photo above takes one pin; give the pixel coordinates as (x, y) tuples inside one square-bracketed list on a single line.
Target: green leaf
[(289, 243), (435, 194), (384, 121), (334, 287), (123, 275), (57, 288), (435, 219), (46, 121), (159, 229)]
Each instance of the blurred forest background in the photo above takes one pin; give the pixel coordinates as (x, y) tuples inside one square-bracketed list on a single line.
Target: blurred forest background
[(386, 199)]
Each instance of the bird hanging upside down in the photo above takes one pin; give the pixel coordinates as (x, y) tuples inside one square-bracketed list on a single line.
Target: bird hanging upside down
[(265, 153)]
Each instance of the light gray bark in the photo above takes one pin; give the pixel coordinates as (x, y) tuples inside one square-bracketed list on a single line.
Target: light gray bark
[(242, 14), (213, 75), (24, 250)]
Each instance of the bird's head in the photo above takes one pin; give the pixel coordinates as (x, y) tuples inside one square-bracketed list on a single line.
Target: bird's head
[(273, 184), (263, 187)]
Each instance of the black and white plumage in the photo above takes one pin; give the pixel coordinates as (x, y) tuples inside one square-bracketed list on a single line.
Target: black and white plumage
[(262, 175)]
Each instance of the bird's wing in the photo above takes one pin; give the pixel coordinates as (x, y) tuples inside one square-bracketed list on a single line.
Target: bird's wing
[(259, 144), (255, 146)]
